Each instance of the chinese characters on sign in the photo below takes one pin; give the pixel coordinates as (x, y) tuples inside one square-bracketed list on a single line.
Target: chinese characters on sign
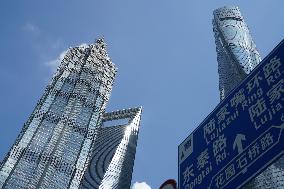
[(242, 135)]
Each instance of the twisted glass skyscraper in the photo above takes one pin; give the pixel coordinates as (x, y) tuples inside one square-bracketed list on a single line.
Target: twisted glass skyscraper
[(57, 142), (236, 52), (237, 56)]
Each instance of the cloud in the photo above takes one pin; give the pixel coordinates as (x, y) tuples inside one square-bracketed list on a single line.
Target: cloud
[(53, 64), (32, 28), (140, 185), (83, 45)]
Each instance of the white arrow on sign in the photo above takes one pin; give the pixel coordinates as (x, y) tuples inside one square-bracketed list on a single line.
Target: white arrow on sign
[(238, 142), (280, 126)]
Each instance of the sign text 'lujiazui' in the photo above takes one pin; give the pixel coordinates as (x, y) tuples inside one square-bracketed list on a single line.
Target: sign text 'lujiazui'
[(242, 136)]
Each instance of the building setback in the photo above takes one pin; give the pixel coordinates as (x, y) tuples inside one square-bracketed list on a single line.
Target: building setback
[(237, 56), (57, 142)]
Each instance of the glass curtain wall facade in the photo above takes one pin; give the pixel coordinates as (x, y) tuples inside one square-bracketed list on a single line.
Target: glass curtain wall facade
[(237, 56), (113, 156), (55, 144)]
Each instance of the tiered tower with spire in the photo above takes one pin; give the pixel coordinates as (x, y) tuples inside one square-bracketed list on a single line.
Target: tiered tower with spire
[(57, 142)]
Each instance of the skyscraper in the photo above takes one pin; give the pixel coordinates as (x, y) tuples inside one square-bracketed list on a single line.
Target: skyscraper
[(56, 143), (237, 56), (114, 152), (236, 52)]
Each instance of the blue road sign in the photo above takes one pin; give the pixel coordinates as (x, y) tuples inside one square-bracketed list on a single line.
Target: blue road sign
[(242, 136)]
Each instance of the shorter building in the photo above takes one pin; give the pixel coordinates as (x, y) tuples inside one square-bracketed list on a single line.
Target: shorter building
[(114, 150)]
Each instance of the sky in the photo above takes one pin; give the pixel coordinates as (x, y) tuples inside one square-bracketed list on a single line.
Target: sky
[(164, 51)]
